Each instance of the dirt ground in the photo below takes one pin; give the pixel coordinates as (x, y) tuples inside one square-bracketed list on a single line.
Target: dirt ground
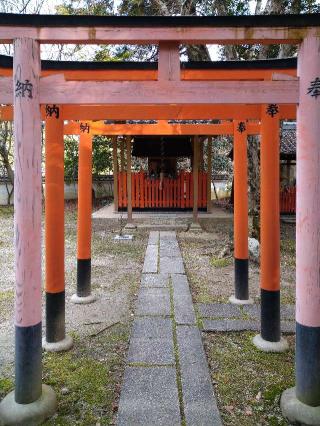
[(86, 379), (216, 283)]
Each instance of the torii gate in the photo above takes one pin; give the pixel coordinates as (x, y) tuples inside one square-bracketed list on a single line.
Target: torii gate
[(29, 91)]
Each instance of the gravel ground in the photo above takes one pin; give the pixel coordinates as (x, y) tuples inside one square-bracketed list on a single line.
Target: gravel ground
[(216, 283), (116, 269)]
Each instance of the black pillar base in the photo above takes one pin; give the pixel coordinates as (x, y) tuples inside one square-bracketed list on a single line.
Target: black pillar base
[(308, 364), (83, 277), (241, 267), (270, 315), (28, 363), (55, 317)]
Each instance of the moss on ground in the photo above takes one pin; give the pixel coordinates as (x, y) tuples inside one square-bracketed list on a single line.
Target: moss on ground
[(87, 379), (6, 295), (248, 383), (6, 211), (220, 263), (6, 386)]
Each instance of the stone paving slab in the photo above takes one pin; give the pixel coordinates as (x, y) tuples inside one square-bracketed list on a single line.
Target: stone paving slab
[(153, 301), (287, 311), (200, 407), (242, 325), (170, 251), (149, 397), (168, 235), (151, 341), (151, 259), (171, 265), (153, 238), (230, 325), (183, 306), (154, 280), (218, 310)]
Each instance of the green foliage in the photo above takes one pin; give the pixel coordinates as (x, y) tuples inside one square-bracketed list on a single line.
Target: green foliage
[(71, 156), (101, 157)]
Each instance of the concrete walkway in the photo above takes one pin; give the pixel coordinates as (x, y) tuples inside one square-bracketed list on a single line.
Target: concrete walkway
[(167, 380)]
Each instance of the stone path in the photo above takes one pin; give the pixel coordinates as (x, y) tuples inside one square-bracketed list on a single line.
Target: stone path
[(167, 380), (227, 317)]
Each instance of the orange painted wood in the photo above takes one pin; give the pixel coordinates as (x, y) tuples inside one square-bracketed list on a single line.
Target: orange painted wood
[(84, 196), (186, 74), (160, 128), (141, 192), (177, 192), (182, 192), (269, 203), (288, 200), (157, 195), (154, 35), (153, 189), (54, 204), (240, 216), (162, 112)]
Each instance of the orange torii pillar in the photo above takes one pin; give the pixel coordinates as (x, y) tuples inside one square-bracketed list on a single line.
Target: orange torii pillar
[(241, 262), (270, 339), (56, 339), (83, 294), (302, 404), (30, 402)]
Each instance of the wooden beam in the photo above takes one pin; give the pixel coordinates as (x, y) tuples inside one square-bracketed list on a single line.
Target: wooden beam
[(160, 112), (161, 128), (27, 224), (169, 62), (55, 90), (154, 35)]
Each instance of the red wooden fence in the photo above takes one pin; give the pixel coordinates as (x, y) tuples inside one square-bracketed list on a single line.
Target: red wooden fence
[(175, 193), (288, 200)]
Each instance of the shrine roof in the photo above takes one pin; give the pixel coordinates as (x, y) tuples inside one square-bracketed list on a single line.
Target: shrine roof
[(293, 20), (285, 63)]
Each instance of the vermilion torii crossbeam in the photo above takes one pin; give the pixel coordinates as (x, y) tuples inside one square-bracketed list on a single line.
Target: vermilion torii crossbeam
[(161, 128), (159, 112)]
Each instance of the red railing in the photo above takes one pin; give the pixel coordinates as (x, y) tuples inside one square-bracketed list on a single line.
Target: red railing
[(175, 193), (288, 200)]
